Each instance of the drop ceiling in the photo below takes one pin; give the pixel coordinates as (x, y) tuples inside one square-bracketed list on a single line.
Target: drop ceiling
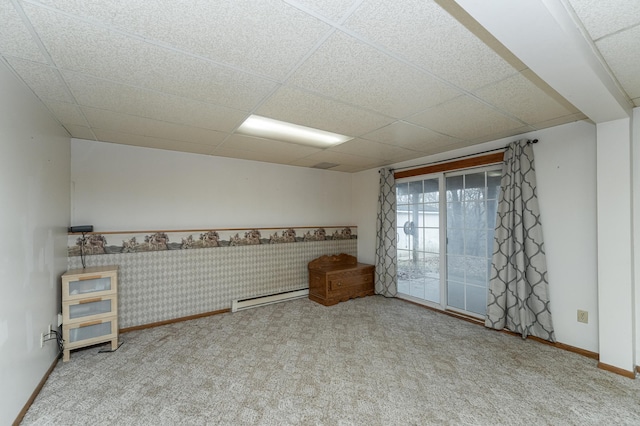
[(405, 79)]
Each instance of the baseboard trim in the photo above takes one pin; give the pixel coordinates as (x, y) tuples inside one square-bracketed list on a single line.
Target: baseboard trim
[(473, 320), (173, 321), (617, 370), (593, 355), (35, 393)]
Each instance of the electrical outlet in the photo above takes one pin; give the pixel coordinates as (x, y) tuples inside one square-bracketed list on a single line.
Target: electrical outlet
[(583, 316), (41, 340)]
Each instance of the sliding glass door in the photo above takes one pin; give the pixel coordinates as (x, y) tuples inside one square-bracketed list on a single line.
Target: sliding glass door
[(445, 238)]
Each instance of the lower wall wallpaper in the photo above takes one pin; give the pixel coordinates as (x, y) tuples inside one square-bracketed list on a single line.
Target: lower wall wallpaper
[(164, 284)]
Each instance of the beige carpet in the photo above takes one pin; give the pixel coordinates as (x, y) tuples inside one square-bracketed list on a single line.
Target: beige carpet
[(370, 361)]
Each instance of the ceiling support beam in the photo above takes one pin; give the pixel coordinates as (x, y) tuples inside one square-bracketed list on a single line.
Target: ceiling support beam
[(545, 37), (616, 303)]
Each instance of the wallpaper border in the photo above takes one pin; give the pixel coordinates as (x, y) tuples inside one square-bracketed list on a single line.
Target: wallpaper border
[(97, 243)]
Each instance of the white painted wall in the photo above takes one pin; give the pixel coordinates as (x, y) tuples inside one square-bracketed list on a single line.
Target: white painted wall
[(565, 163), (34, 216), (566, 173), (122, 188), (365, 208), (635, 147)]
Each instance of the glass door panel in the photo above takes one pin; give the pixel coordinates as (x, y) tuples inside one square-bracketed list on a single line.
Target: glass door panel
[(471, 207), (418, 245)]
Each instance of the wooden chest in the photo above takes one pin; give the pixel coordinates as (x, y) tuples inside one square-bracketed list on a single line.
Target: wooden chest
[(337, 278)]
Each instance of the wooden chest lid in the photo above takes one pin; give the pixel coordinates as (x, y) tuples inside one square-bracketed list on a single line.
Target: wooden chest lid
[(333, 261)]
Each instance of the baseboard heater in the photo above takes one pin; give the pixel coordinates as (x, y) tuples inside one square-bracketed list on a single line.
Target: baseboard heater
[(254, 302)]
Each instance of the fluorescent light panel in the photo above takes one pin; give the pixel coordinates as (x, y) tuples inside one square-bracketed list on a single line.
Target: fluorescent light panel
[(269, 128)]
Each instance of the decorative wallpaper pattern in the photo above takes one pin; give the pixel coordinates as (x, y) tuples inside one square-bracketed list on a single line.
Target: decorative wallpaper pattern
[(95, 243), (163, 283)]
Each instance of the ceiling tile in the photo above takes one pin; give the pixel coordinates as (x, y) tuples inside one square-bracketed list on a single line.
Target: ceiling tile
[(311, 162), (15, 38), (287, 151), (557, 121), (346, 69), (265, 37), (522, 99), (341, 158), (551, 92), (43, 80), (67, 114), (81, 47), (410, 136), (304, 162), (375, 150), (464, 118), (351, 169), (116, 97), (307, 109), (80, 132), (622, 53), (498, 135), (331, 9), (151, 142), (109, 120), (465, 19), (422, 32), (253, 155), (602, 17), (444, 148)]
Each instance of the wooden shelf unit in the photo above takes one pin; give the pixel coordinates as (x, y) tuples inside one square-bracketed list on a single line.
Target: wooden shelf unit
[(89, 308), (337, 278)]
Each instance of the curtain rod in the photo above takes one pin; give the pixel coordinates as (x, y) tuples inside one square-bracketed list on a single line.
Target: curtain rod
[(457, 158)]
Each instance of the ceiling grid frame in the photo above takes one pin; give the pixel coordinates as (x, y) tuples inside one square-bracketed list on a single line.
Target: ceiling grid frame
[(379, 138)]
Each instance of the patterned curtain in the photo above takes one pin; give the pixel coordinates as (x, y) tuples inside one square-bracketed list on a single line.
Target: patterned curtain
[(518, 287), (386, 255)]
